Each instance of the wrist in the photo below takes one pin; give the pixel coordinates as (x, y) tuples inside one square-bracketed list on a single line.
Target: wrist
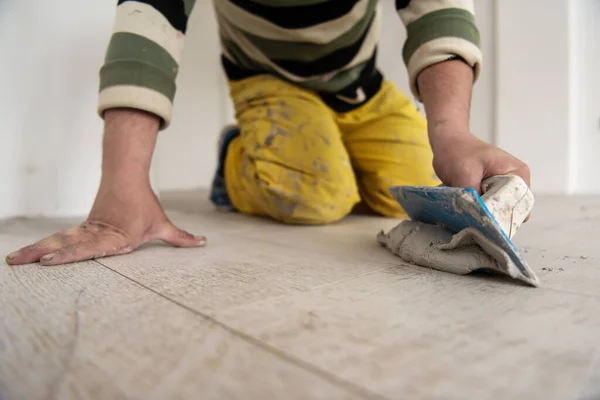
[(446, 93), (125, 180), (441, 139), (128, 145)]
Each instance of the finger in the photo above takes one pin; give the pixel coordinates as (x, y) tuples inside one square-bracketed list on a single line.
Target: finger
[(469, 177), (462, 175), (526, 175), (510, 167), (50, 244), (176, 237), (524, 172), (521, 171), (97, 246)]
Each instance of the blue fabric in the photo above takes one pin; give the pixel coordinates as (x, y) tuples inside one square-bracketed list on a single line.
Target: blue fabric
[(218, 191)]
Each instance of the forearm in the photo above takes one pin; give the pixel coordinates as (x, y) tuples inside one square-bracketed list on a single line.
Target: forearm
[(437, 32), (128, 145), (143, 57), (446, 90)]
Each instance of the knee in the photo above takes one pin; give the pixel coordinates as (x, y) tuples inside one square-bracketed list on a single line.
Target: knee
[(380, 200), (306, 203)]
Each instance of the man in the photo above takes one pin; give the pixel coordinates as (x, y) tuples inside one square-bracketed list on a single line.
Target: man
[(318, 128)]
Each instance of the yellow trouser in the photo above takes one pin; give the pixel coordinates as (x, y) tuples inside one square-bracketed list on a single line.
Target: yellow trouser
[(297, 161)]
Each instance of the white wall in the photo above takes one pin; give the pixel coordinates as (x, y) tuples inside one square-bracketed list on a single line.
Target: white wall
[(585, 96), (11, 100), (50, 134), (548, 90), (532, 120), (531, 99)]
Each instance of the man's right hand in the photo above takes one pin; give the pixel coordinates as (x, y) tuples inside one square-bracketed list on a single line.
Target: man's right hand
[(126, 212), (120, 221)]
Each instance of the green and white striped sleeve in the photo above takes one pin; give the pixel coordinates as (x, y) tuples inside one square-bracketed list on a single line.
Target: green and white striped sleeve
[(143, 56), (438, 30)]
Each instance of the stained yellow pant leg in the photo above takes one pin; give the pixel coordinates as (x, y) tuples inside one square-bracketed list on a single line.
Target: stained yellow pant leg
[(388, 145), (289, 162)]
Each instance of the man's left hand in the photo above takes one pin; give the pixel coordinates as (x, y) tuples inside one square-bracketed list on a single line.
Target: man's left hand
[(465, 161)]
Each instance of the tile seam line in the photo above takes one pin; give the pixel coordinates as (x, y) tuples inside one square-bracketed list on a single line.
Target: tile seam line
[(303, 365)]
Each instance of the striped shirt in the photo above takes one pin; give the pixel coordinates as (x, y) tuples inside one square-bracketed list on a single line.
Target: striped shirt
[(328, 46)]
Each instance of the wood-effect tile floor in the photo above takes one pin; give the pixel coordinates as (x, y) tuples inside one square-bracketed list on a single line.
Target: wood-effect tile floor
[(268, 311)]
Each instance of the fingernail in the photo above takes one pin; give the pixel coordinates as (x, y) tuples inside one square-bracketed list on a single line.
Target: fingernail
[(48, 257), (12, 255), (201, 240)]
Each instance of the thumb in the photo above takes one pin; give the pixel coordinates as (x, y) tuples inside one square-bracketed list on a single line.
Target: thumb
[(469, 176), (179, 238)]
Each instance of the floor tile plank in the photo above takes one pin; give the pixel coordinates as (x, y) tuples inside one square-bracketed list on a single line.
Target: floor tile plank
[(430, 335), (84, 332)]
